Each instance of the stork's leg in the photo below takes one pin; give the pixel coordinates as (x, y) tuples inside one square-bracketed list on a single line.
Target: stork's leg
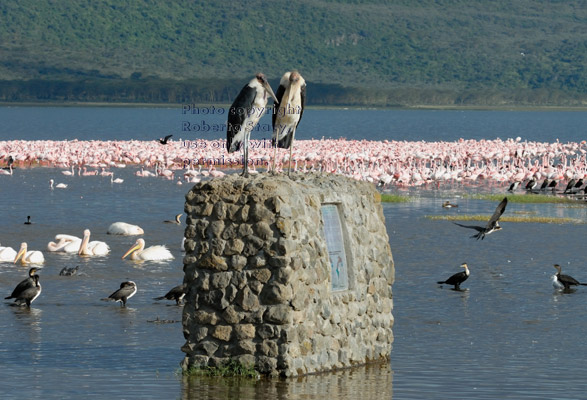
[(274, 158), (246, 155), (293, 134)]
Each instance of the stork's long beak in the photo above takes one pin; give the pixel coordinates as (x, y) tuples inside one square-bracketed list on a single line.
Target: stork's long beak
[(20, 254), (270, 91), (135, 247)]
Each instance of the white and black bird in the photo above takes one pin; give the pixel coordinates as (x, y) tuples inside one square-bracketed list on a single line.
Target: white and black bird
[(570, 186), (291, 96), (126, 291), (514, 186), (532, 183), (27, 290), (561, 281), (492, 224), (177, 293), (457, 278), (244, 114)]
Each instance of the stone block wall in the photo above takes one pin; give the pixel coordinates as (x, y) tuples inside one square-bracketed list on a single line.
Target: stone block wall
[(260, 279)]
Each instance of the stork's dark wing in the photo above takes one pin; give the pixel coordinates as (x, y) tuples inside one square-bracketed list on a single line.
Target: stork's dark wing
[(497, 214), (237, 114), (279, 95), (303, 98)]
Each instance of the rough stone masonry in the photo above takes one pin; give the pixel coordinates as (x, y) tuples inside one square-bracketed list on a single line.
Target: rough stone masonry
[(264, 286)]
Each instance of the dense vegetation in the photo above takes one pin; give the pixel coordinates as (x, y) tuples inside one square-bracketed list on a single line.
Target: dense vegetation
[(379, 52)]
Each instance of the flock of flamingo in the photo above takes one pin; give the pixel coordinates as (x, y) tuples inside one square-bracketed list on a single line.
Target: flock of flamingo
[(386, 163)]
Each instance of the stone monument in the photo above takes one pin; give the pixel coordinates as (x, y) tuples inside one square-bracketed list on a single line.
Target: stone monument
[(290, 274)]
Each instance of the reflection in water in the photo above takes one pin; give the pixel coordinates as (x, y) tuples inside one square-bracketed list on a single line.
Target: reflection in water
[(369, 382)]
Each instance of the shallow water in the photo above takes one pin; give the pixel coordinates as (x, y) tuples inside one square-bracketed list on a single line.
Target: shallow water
[(507, 334)]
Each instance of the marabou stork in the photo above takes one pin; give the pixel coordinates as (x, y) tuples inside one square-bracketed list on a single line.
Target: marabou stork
[(243, 115), (291, 96)]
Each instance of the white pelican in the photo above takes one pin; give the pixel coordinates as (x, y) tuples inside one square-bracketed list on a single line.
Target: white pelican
[(122, 228), (244, 113), (7, 254), (29, 257), (94, 248), (65, 244), (158, 252)]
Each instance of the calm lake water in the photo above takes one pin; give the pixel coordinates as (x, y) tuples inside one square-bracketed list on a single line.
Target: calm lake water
[(508, 334)]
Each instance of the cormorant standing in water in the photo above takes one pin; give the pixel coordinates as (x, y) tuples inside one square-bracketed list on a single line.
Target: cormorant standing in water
[(570, 186), (177, 294), (564, 281), (27, 290), (514, 186), (457, 278), (492, 225), (28, 220), (126, 291), (552, 184)]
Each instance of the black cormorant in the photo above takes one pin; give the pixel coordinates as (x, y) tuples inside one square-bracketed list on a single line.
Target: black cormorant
[(28, 220), (177, 294), (126, 291), (514, 186), (492, 225), (176, 221), (27, 290), (564, 281), (69, 271), (457, 278)]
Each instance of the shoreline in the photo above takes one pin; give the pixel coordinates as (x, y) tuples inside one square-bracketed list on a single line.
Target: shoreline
[(439, 107)]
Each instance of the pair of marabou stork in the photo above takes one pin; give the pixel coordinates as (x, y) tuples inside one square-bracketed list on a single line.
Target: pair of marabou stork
[(250, 105)]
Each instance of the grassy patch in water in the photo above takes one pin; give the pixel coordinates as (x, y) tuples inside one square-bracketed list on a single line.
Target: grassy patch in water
[(541, 220), (524, 198), (394, 198), (231, 368)]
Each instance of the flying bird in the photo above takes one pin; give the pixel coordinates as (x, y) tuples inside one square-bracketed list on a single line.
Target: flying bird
[(457, 278), (126, 291), (561, 281), (291, 96), (27, 290), (244, 114), (177, 293), (492, 225), (165, 139)]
